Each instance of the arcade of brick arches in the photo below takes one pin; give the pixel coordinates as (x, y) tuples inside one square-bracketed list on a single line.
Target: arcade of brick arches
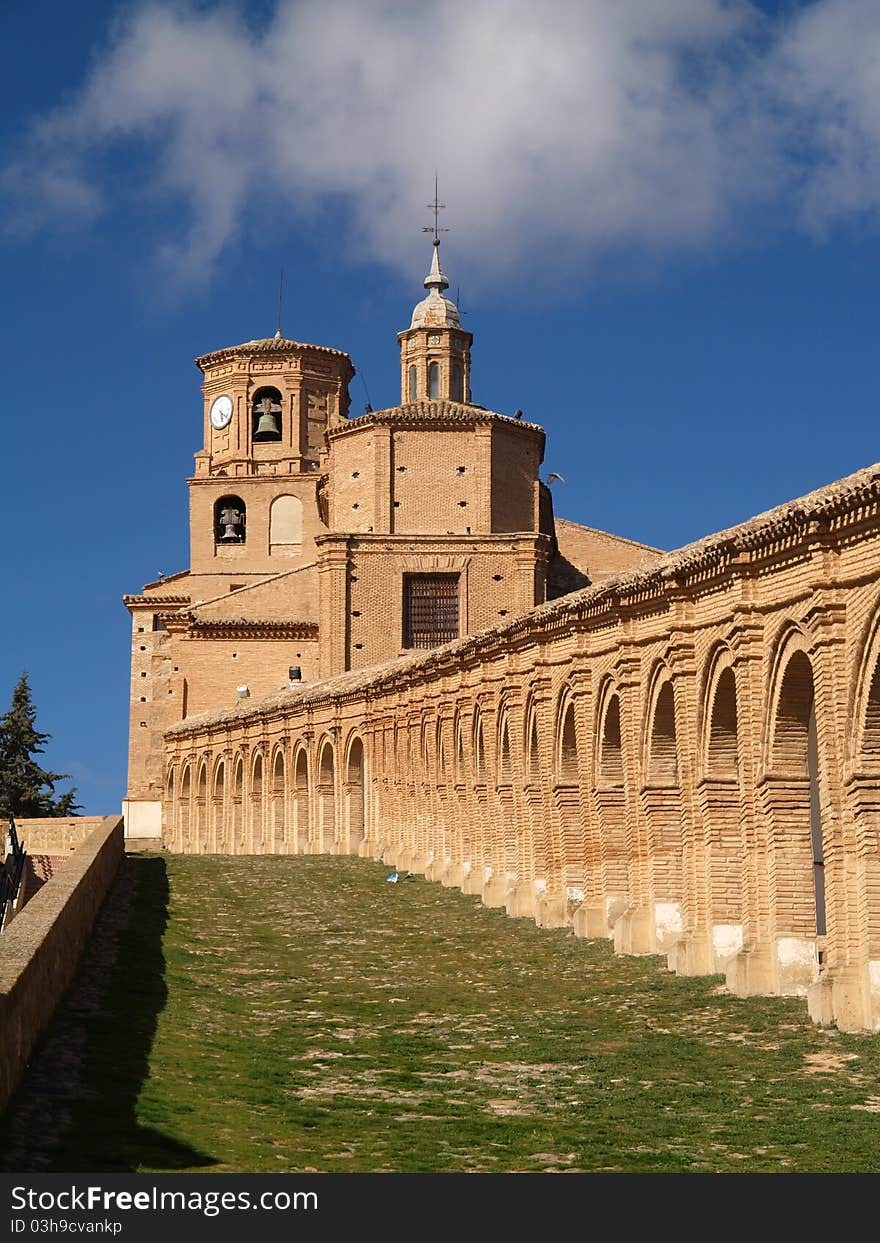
[(680, 752)]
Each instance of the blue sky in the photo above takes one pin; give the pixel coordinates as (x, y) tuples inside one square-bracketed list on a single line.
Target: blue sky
[(663, 220)]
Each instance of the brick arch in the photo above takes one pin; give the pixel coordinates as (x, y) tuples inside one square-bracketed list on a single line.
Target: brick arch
[(185, 805), (566, 854), (609, 748), (609, 803), (479, 746), (459, 760), (565, 751), (531, 749), (201, 808), (505, 763), (278, 801), (355, 790), (237, 835), (661, 803), (440, 751), (170, 800), (790, 637), (865, 732), (791, 792), (862, 796), (481, 837), (326, 792), (791, 706), (720, 719), (257, 784), (426, 748), (661, 761), (301, 799), (718, 894), (219, 834), (509, 821)]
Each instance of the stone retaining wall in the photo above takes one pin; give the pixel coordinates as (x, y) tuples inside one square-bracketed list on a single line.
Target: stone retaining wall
[(41, 948)]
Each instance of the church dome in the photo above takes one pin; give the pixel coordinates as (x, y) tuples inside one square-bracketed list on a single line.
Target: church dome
[(435, 311)]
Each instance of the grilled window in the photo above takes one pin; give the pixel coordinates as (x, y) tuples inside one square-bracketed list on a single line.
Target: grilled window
[(430, 609)]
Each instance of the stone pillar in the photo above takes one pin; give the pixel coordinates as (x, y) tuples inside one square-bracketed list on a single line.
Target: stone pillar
[(692, 952), (634, 927), (753, 969), (550, 903), (843, 986)]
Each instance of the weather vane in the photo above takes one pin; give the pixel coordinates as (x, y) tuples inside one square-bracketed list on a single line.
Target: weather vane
[(436, 207)]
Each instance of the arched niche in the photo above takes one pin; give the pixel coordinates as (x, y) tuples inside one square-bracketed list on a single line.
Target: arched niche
[(285, 525), (301, 800)]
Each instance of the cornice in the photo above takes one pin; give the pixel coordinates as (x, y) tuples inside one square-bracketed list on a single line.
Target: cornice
[(267, 345), (793, 523), (243, 628), (440, 413), (170, 601)]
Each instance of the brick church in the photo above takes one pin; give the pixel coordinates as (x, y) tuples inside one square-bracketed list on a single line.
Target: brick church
[(323, 542)]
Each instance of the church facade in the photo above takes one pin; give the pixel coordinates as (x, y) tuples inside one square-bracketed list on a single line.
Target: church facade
[(322, 543), (679, 752)]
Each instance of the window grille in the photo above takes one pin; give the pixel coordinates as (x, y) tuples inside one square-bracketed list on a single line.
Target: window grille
[(430, 609)]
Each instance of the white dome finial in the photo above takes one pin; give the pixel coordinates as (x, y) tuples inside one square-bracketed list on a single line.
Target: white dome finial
[(435, 278)]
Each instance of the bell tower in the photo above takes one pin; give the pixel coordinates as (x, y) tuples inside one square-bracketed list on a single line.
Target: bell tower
[(255, 498), (435, 354)]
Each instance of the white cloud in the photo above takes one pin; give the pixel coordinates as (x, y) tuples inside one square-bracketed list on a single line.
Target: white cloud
[(562, 131)]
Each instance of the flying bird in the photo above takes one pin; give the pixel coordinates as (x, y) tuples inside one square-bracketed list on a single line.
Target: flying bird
[(553, 476)]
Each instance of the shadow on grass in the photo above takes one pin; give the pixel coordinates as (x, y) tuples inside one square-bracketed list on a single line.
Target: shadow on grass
[(84, 1109)]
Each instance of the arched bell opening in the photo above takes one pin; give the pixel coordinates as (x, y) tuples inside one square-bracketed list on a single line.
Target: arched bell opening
[(230, 520), (266, 416)]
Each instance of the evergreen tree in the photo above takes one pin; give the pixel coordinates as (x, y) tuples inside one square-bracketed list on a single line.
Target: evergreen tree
[(25, 788)]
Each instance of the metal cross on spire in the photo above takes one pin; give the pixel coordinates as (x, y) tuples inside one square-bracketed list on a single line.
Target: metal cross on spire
[(436, 207)]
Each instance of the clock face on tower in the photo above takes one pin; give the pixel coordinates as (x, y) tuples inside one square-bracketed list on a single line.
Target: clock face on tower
[(221, 411)]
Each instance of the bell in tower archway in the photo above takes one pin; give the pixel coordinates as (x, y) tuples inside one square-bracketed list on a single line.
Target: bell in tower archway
[(266, 416)]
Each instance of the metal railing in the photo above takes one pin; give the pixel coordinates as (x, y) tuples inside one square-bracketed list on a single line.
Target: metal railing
[(11, 874)]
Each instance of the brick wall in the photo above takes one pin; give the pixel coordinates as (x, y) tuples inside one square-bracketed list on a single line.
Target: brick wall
[(41, 948), (580, 765)]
